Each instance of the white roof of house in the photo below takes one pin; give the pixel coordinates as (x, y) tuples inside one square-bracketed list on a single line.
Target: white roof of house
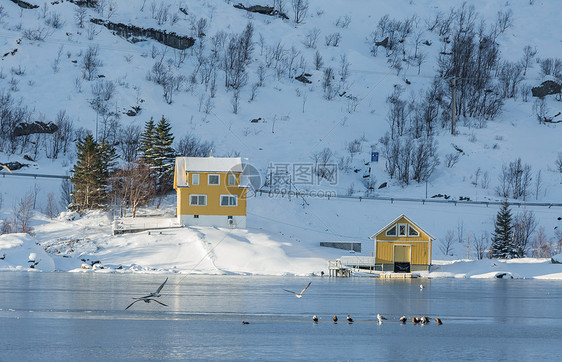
[(212, 164), (205, 164)]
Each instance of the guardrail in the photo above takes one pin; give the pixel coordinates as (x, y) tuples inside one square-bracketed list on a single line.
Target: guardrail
[(305, 194), (34, 175)]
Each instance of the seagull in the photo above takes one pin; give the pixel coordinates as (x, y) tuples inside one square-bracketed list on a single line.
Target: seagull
[(335, 319), (156, 294), (315, 318), (349, 319), (298, 295), (438, 320), (380, 318), (146, 300), (415, 320), (150, 298), (421, 286), (403, 319)]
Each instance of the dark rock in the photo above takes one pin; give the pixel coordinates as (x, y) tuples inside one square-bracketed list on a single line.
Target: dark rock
[(546, 88), (25, 129), (13, 166), (427, 42), (436, 196), (25, 5), (172, 40), (463, 198), (184, 11), (255, 120), (302, 78), (383, 185), (260, 9), (28, 158), (383, 43)]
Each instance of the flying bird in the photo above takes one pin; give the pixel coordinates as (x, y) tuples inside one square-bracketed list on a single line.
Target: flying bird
[(349, 319), (380, 318), (403, 319), (315, 318), (439, 322), (156, 294), (150, 298), (298, 295), (146, 300)]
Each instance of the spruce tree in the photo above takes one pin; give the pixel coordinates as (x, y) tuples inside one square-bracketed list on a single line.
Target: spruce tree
[(146, 142), (90, 176), (502, 238), (164, 155)]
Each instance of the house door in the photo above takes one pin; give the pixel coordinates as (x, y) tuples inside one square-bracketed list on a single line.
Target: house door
[(402, 258)]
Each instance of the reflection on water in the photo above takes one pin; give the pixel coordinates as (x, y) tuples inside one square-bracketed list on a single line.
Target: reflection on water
[(68, 316)]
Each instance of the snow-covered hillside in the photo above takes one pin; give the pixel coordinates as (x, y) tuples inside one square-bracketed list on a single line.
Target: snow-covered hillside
[(43, 71)]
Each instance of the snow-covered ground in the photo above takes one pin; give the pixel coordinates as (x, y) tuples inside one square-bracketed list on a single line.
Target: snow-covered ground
[(296, 121)]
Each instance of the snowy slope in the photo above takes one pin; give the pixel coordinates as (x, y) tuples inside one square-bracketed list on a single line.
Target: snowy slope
[(296, 121)]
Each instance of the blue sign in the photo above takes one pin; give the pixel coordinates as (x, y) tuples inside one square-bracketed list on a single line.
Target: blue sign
[(374, 157)]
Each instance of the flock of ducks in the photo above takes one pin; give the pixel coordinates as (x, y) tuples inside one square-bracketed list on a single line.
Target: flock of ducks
[(380, 318)]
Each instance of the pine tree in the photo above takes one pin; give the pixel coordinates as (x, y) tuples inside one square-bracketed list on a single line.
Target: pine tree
[(146, 142), (164, 155), (90, 176), (502, 238)]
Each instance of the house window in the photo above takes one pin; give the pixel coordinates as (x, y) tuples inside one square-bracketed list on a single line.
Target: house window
[(198, 200), (214, 179), (229, 200), (402, 229), (391, 231), (195, 179), (231, 179), (412, 231)]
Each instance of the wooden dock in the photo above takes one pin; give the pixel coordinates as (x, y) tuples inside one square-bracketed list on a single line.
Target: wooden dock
[(337, 269)]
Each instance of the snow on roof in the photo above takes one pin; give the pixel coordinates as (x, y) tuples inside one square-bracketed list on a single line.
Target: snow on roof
[(205, 164), (396, 220), (212, 164)]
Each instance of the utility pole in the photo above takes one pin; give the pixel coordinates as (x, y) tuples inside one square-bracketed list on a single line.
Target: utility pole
[(453, 108)]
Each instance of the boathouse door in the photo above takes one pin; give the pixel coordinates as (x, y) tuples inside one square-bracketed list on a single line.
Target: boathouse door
[(402, 258)]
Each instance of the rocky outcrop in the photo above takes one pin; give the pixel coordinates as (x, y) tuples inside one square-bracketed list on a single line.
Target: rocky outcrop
[(304, 78), (546, 88), (25, 5), (25, 129), (13, 166), (260, 9), (132, 32)]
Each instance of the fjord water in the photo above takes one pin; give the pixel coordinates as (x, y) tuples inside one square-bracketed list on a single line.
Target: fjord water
[(72, 316)]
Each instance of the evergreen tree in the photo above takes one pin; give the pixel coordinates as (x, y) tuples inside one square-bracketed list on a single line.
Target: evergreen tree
[(146, 142), (502, 238), (164, 155), (90, 176)]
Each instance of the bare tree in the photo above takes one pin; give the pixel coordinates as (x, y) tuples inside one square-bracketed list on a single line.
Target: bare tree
[(51, 208), (524, 225), (311, 38), (300, 8), (446, 244), (318, 62), (129, 141), (528, 55), (22, 214), (542, 247), (133, 186), (90, 63), (480, 245)]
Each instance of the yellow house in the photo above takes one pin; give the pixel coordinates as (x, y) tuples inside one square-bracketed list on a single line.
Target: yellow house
[(209, 191), (402, 246)]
